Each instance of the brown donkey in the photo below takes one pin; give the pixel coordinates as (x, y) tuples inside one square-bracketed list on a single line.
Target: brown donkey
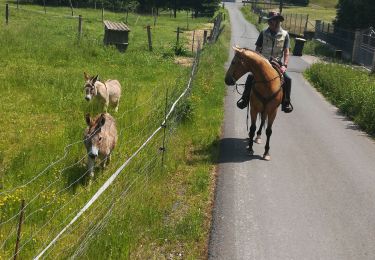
[(266, 94)]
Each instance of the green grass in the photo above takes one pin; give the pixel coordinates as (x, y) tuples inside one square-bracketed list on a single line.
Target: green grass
[(351, 90), (324, 3), (43, 109), (252, 18)]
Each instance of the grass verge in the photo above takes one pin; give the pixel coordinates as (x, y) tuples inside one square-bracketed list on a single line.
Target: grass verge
[(351, 90)]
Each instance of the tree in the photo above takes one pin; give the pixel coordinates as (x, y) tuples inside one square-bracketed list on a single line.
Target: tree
[(355, 14)]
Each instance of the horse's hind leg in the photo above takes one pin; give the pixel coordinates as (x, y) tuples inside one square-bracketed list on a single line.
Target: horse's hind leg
[(253, 128)]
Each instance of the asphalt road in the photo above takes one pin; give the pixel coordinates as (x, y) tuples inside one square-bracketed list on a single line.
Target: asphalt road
[(315, 199)]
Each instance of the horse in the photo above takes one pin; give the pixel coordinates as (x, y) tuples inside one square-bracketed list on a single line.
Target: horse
[(266, 93)]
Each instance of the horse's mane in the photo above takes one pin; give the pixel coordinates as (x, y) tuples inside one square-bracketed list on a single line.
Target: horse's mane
[(257, 53)]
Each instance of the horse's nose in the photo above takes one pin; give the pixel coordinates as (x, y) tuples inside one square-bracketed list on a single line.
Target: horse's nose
[(93, 156), (87, 98)]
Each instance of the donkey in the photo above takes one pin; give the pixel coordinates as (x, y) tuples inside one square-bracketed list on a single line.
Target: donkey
[(100, 138), (108, 93)]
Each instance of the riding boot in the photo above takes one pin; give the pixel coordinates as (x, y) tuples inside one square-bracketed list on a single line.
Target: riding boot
[(286, 105), (244, 100)]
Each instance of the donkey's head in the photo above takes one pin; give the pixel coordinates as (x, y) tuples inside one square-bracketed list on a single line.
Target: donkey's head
[(94, 134), (90, 88)]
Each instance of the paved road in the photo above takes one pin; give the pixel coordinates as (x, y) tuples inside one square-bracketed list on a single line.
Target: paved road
[(315, 199)]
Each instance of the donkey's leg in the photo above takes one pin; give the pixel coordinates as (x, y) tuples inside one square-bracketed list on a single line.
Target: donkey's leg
[(253, 128), (271, 118), (90, 165), (258, 139), (117, 103)]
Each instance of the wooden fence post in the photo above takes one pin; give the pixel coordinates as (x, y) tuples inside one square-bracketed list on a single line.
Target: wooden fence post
[(71, 7), (356, 45), (18, 2), (19, 229), (79, 26), (204, 37), (300, 25), (307, 20), (6, 13), (373, 64), (44, 4), (149, 38), (192, 46), (178, 35)]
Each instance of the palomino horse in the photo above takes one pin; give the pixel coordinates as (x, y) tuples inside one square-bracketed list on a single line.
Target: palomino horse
[(266, 93)]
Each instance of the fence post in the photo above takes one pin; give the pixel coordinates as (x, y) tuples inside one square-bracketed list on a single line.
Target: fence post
[(204, 37), (192, 46), (19, 229), (307, 20), (79, 26), (44, 4), (127, 14), (164, 125), (6, 13), (178, 35), (18, 2), (373, 64), (71, 7), (149, 38), (300, 25), (356, 44)]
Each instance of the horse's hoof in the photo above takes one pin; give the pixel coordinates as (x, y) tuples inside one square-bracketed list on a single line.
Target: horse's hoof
[(267, 157), (258, 140), (251, 152)]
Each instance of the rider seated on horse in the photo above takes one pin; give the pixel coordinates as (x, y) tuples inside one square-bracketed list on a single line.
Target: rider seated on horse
[(272, 43)]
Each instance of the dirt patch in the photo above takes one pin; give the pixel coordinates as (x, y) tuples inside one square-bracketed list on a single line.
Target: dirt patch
[(184, 61)]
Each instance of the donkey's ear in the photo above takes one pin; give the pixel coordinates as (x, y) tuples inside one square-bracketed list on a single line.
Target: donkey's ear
[(86, 76), (102, 120), (95, 79), (88, 119)]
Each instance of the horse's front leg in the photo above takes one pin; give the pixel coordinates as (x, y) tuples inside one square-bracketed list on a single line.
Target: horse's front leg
[(253, 128), (258, 139)]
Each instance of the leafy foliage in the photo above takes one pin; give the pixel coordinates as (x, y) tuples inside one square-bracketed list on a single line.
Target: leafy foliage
[(297, 2), (355, 14)]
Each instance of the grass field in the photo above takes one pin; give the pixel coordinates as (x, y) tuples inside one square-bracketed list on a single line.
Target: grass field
[(150, 210)]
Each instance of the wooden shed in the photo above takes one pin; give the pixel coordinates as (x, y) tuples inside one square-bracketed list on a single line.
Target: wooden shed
[(117, 34)]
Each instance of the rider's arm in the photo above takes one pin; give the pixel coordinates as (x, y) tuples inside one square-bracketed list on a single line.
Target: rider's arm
[(286, 50), (286, 56)]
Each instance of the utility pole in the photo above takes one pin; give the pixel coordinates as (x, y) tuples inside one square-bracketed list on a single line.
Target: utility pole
[(281, 6)]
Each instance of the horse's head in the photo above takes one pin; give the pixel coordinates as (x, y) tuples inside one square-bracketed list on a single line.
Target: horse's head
[(237, 67), (90, 89)]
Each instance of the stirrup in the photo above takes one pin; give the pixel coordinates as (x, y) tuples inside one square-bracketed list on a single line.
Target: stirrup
[(241, 103)]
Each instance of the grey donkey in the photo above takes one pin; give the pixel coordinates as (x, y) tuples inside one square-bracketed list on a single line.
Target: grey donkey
[(100, 138), (108, 93)]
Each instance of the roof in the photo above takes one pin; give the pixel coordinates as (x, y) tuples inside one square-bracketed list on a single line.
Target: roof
[(116, 26)]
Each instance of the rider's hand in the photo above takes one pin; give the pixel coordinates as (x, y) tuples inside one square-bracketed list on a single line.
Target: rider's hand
[(283, 69)]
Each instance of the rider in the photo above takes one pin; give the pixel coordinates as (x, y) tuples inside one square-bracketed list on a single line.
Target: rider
[(272, 42)]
